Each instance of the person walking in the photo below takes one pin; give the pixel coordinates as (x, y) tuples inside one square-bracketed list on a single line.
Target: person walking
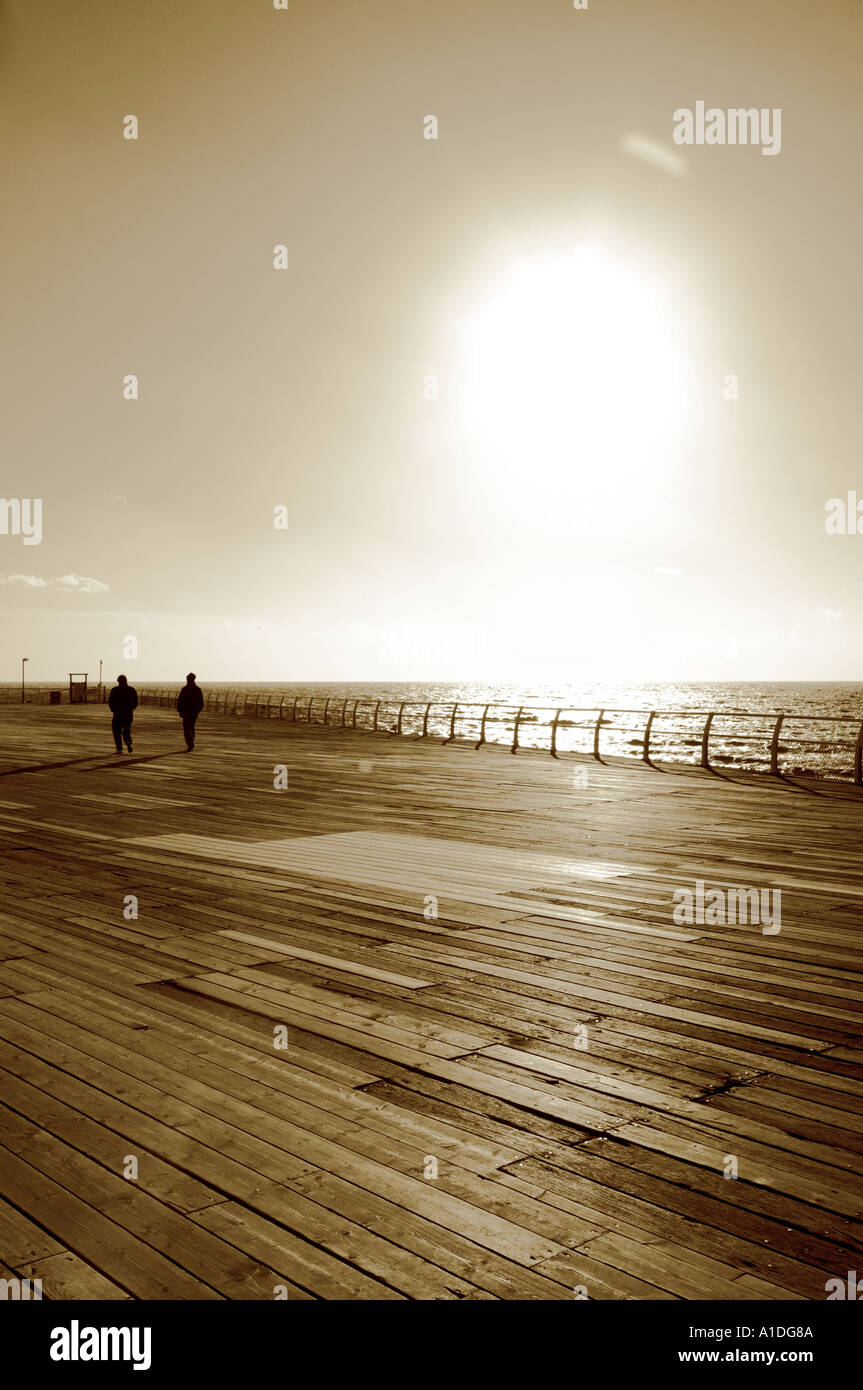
[(190, 702), (122, 702)]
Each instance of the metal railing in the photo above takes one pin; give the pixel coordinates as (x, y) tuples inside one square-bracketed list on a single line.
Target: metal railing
[(777, 744)]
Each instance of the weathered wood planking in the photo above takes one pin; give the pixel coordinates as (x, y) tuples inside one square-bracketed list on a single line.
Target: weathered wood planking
[(509, 1071)]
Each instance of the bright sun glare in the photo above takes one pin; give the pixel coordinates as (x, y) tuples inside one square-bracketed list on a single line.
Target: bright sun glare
[(575, 363)]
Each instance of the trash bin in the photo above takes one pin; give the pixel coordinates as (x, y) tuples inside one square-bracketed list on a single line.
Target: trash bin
[(54, 697)]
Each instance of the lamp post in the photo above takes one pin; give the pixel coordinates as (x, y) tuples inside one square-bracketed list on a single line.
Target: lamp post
[(24, 659)]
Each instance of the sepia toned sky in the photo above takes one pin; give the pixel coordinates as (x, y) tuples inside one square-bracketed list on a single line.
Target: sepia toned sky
[(582, 500)]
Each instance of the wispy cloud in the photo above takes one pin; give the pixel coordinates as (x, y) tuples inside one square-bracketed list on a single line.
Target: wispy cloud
[(69, 583), (651, 152), (26, 581), (80, 583)]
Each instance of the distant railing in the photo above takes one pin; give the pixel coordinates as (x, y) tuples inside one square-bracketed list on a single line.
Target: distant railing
[(789, 745)]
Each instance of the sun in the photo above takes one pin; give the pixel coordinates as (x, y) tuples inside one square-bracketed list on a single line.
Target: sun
[(575, 365)]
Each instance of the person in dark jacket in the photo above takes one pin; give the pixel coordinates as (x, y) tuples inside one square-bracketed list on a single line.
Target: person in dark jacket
[(122, 702), (190, 702)]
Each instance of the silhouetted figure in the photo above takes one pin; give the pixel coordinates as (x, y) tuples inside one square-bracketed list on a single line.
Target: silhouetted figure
[(122, 702), (190, 702)]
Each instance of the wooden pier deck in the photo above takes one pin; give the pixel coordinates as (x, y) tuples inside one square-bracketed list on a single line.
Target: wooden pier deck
[(536, 1091)]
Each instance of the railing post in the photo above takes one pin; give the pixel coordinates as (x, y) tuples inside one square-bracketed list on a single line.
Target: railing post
[(774, 747), (269, 702), (326, 707), (344, 710), (426, 721), (282, 707), (234, 705), (354, 718), (645, 752), (514, 748), (482, 728), (858, 760), (451, 736), (294, 710), (375, 725), (309, 710), (596, 735), (398, 727), (705, 740), (553, 748)]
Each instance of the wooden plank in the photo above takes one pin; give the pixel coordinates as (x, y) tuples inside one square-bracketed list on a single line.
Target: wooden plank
[(65, 1277), (577, 1065)]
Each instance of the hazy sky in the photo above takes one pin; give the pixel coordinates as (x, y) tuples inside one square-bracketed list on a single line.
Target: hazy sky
[(582, 500)]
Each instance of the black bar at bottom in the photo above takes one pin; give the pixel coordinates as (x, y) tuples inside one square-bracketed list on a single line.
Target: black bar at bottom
[(299, 1341)]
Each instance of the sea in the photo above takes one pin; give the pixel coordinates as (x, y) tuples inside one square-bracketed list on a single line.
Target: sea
[(839, 699)]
